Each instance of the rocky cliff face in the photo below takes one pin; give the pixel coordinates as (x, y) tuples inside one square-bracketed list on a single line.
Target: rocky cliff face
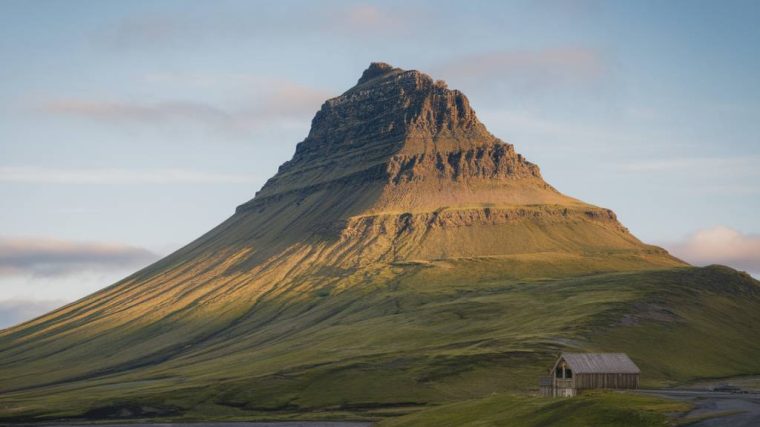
[(397, 127), (400, 163)]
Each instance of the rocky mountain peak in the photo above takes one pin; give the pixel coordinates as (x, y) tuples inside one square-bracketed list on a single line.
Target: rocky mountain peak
[(399, 109), (376, 69), (393, 127)]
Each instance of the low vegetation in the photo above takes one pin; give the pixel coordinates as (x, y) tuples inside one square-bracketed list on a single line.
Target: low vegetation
[(594, 409), (420, 343)]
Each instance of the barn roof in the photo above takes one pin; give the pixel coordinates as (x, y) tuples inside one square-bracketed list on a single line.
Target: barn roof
[(600, 363)]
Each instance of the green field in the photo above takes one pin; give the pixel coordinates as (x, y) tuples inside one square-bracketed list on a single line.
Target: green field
[(405, 346), (594, 409)]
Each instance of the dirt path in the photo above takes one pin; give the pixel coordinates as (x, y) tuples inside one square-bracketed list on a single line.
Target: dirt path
[(716, 409)]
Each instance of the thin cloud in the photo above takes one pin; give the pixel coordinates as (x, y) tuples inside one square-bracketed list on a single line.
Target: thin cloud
[(721, 165), (215, 80), (13, 312), (703, 175), (189, 30), (36, 175), (367, 18), (136, 112), (532, 67), (146, 30), (594, 136), (368, 15), (720, 245), (50, 257), (273, 102), (289, 99), (265, 96)]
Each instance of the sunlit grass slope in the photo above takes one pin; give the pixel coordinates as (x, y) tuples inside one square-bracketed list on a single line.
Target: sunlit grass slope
[(234, 286), (413, 338)]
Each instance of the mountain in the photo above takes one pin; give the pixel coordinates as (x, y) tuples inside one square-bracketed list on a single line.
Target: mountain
[(398, 169), (404, 257)]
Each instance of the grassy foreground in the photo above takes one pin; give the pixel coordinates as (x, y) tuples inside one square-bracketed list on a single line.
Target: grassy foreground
[(594, 409), (422, 340)]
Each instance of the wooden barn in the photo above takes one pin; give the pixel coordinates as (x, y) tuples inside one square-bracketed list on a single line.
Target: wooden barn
[(574, 372)]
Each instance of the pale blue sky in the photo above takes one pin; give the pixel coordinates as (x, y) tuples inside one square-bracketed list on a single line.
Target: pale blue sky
[(142, 124)]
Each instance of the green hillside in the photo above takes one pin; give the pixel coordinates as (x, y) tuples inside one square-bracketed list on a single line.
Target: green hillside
[(423, 339), (507, 410)]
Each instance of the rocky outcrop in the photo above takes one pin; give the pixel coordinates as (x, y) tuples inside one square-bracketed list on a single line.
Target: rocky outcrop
[(496, 161), (397, 225), (396, 126)]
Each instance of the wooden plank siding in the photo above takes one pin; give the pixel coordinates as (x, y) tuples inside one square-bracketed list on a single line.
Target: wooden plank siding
[(615, 381)]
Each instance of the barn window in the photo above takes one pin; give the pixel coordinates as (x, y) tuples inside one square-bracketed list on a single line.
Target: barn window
[(563, 372)]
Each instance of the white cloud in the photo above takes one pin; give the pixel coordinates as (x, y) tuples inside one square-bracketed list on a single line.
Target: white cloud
[(52, 257), (65, 286), (720, 245), (39, 175), (38, 275)]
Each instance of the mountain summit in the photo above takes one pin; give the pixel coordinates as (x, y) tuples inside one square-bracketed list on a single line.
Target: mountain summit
[(393, 128), (391, 244), (396, 128), (400, 166)]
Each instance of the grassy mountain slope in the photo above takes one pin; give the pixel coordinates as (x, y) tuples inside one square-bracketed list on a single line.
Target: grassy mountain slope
[(426, 338)]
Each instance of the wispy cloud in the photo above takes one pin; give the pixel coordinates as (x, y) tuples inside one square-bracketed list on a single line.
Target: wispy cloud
[(720, 245), (289, 99), (266, 94), (368, 15), (557, 132), (144, 31), (703, 175), (15, 311), (51, 257), (744, 164), (527, 67), (243, 25), (364, 18), (136, 112), (37, 175), (271, 102)]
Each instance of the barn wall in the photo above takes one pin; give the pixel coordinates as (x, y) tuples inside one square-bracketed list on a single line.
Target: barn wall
[(621, 381)]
